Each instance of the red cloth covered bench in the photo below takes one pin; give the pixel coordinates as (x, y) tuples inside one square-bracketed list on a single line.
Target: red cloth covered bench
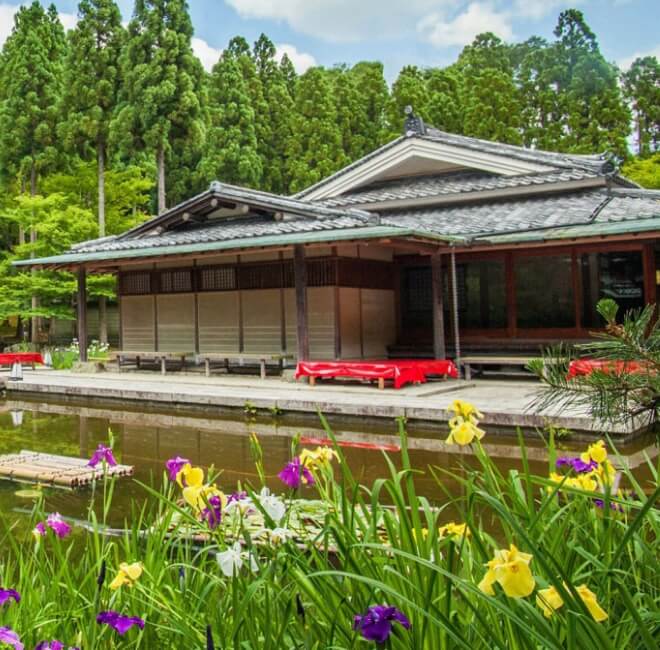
[(400, 371), (584, 367), (10, 358)]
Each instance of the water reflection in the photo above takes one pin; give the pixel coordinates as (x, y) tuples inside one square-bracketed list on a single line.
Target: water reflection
[(146, 439)]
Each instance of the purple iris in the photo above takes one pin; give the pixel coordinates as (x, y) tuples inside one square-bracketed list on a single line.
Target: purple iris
[(8, 636), (213, 514), (39, 529), (599, 503), (174, 466), (6, 594), (236, 496), (294, 472), (120, 623), (58, 525), (101, 454), (577, 464), (376, 624), (53, 645)]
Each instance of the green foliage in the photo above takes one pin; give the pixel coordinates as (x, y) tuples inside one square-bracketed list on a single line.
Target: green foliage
[(644, 171), (642, 87), (629, 384)]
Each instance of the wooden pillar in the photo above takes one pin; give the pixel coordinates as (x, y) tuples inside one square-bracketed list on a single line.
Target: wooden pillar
[(300, 276), (82, 313), (439, 351), (648, 261), (454, 304)]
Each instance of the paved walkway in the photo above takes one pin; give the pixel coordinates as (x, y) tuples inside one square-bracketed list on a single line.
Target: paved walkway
[(504, 403)]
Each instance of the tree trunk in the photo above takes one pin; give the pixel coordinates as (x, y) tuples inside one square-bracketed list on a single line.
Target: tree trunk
[(160, 163), (103, 319), (34, 329)]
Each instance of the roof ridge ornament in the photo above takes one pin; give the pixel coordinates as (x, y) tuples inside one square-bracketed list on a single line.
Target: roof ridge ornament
[(413, 124)]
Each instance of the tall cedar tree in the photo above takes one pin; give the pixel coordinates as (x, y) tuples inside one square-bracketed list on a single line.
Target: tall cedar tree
[(444, 103), (162, 84), (372, 99), (31, 72), (597, 118), (314, 149), (278, 107), (642, 87), (409, 89), (350, 111), (91, 96), (489, 96), (231, 151)]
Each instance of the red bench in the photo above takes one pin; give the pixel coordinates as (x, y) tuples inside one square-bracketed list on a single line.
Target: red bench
[(10, 358), (400, 371), (583, 367)]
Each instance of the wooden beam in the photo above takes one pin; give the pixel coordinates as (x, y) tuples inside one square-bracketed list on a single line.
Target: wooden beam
[(300, 276), (439, 350), (82, 313), (649, 265)]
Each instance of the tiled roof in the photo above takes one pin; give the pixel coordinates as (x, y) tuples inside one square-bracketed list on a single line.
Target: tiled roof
[(418, 187), (526, 215)]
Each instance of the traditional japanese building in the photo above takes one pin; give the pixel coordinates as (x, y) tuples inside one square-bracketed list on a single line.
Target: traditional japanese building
[(430, 236)]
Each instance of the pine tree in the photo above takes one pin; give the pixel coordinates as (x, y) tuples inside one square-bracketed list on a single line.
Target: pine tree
[(289, 74), (597, 118), (91, 96), (231, 154), (314, 149), (278, 108), (31, 69), (489, 97), (162, 84), (642, 88)]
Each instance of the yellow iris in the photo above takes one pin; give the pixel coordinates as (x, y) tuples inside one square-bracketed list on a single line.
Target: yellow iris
[(317, 457), (596, 452), (509, 568), (128, 574), (453, 529), (197, 496), (464, 433), (465, 410), (190, 476), (550, 601), (585, 482)]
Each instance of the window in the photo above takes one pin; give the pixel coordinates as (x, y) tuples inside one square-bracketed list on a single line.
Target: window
[(176, 281), (617, 275), (544, 292), (417, 297), (482, 294), (135, 283)]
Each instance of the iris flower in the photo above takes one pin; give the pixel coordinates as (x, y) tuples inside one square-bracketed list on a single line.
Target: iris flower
[(102, 454), (376, 623), (189, 476), (272, 505), (175, 465), (465, 411), (8, 594), (453, 529), (295, 473), (464, 432), (39, 530), (128, 574), (577, 464), (119, 622), (596, 452), (8, 636), (53, 645), (213, 512), (321, 456), (510, 568), (550, 601), (231, 561), (58, 525)]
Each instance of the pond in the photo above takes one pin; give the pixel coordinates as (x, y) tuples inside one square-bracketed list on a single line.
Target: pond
[(146, 438)]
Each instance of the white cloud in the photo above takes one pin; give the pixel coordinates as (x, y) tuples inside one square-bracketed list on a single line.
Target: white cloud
[(478, 17), (7, 12), (205, 53), (69, 21), (301, 60), (342, 20), (536, 9), (627, 61)]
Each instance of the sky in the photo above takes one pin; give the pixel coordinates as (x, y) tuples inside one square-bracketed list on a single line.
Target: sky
[(396, 32)]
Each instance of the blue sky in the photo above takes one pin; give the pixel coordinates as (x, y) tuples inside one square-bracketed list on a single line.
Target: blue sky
[(397, 32)]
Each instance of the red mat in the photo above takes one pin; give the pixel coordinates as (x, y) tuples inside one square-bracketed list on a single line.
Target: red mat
[(10, 358)]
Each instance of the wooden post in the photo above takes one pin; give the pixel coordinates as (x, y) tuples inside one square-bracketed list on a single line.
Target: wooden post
[(648, 261), (454, 302), (439, 351), (300, 276), (82, 313)]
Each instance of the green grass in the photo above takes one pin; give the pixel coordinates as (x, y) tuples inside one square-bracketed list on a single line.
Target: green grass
[(362, 553)]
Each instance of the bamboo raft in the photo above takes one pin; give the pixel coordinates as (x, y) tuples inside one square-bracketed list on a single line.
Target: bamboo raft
[(63, 471)]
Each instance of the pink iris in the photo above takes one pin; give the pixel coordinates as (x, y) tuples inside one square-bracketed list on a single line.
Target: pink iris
[(7, 594), (294, 473), (58, 525), (102, 454), (8, 636)]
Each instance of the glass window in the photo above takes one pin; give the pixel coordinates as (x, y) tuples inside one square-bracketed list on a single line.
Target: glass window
[(544, 291), (482, 294), (617, 275)]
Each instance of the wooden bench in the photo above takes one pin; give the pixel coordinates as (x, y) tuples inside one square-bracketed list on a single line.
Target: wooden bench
[(241, 357), (491, 360), (122, 356)]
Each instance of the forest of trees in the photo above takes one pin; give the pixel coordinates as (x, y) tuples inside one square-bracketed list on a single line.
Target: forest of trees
[(105, 125)]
